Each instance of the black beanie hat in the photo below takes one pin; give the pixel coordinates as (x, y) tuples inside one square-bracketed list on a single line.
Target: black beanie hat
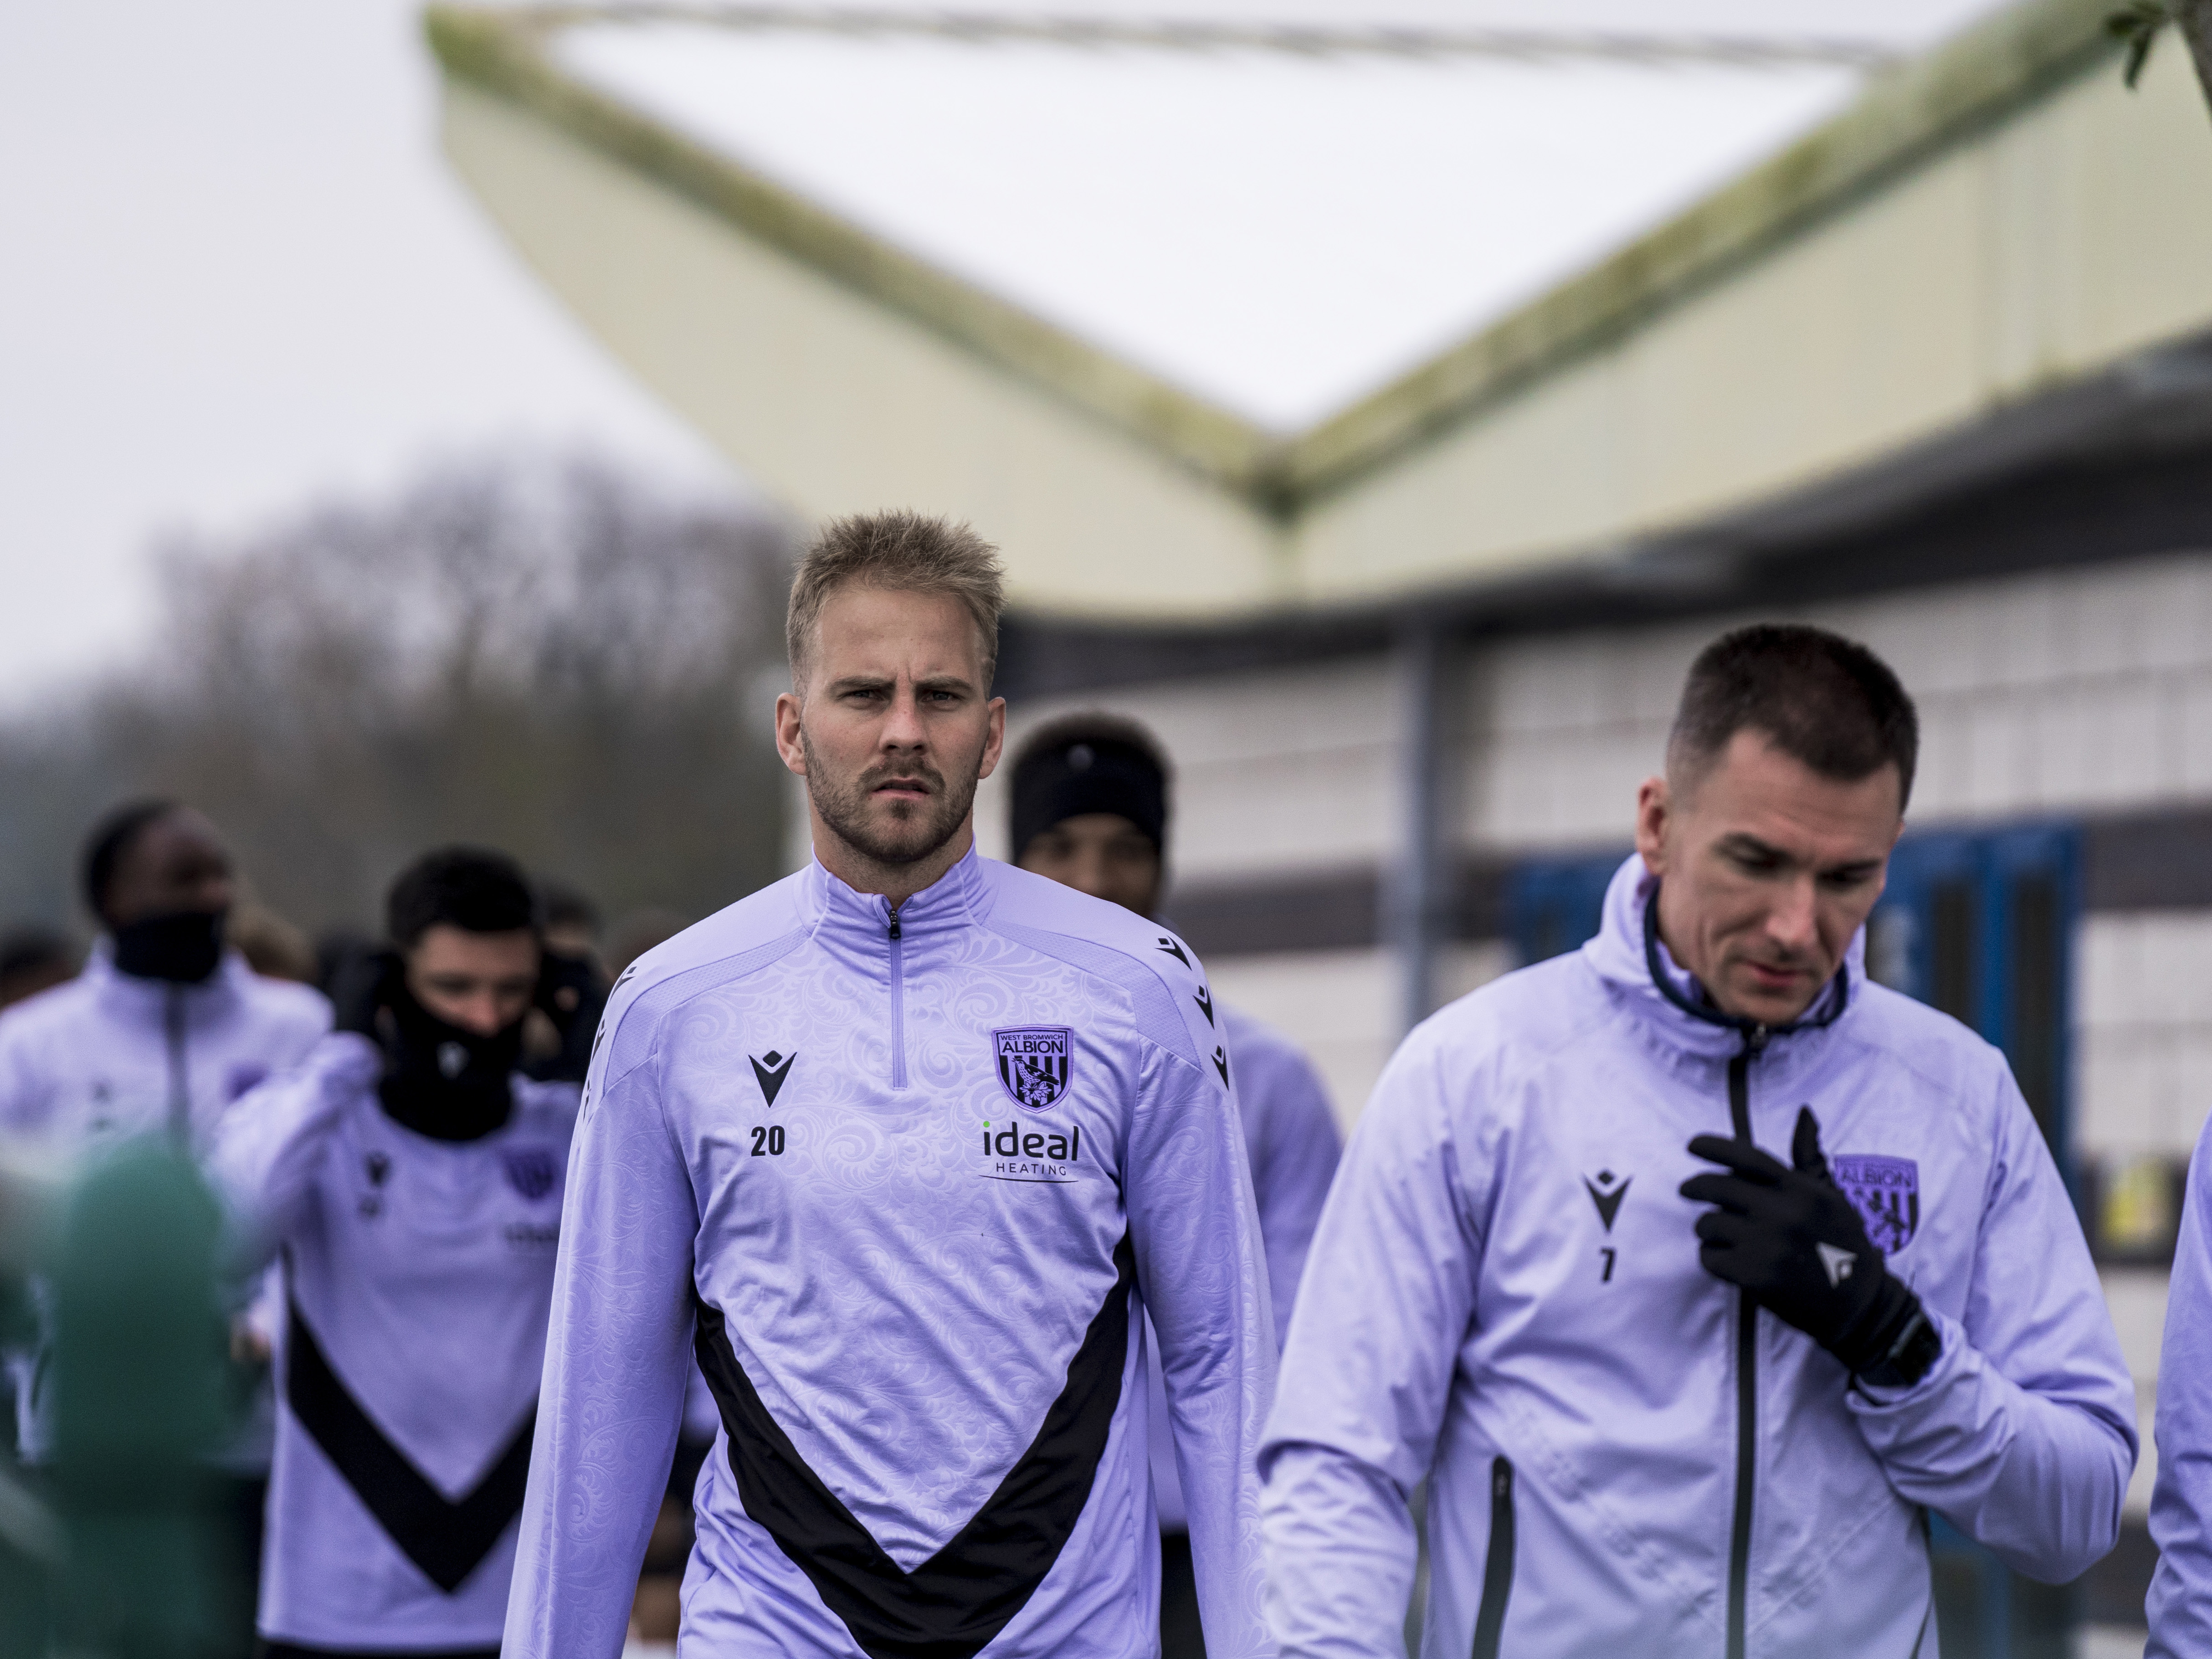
[(1087, 763)]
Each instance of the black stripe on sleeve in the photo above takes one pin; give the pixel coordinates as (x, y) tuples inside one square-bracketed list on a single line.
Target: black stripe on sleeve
[(953, 1604), (445, 1537)]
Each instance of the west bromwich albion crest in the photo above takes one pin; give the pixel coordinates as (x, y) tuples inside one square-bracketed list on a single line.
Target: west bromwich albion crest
[(1885, 1192), (531, 1170), (1035, 1063)]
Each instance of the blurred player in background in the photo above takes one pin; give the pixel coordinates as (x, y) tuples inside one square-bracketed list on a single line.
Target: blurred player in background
[(164, 1027), (1089, 810), (572, 992), (902, 1147), (411, 1179)]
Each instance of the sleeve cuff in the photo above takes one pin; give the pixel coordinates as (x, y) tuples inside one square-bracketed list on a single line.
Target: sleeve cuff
[(1947, 1363)]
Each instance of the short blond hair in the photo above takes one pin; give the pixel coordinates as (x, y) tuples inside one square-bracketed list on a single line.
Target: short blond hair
[(907, 552)]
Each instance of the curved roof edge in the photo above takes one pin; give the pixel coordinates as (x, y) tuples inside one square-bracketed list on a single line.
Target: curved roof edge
[(503, 53), (1905, 116), (1908, 114)]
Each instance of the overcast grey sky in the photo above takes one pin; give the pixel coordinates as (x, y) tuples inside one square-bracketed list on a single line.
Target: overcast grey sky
[(236, 275)]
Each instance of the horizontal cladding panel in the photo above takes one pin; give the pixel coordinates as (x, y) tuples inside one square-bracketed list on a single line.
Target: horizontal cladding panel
[(2156, 863), (836, 405), (2142, 1000), (2071, 691), (1279, 771), (2046, 247), (1341, 1006)]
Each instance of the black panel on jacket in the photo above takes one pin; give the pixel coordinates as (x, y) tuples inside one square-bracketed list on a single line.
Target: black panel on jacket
[(953, 1604), (444, 1537)]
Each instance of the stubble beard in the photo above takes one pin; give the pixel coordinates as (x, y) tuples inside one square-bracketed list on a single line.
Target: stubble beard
[(906, 832)]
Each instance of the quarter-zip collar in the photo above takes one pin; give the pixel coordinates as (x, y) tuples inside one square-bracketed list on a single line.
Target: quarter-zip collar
[(846, 920), (148, 999), (894, 947), (174, 1009)]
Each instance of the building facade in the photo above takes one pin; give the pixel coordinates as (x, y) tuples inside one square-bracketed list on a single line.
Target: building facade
[(1917, 346)]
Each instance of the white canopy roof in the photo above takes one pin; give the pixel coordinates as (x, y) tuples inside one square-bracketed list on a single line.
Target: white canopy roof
[(1277, 206), (1208, 307)]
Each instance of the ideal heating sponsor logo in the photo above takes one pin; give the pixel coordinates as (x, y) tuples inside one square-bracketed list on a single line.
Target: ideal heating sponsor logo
[(1015, 1151)]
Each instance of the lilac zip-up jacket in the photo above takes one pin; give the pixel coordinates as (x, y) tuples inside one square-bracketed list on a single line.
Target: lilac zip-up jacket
[(107, 1057), (1623, 1458), (2179, 1605), (415, 1274), (907, 1184)]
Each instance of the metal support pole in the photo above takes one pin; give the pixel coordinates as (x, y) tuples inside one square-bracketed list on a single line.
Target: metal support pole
[(1418, 897)]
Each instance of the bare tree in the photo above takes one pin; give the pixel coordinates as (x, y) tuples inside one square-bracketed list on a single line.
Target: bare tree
[(531, 653)]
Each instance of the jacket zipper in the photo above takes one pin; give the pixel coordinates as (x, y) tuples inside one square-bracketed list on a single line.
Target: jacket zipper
[(898, 1006), (1498, 1566), (1747, 1374), (180, 1088)]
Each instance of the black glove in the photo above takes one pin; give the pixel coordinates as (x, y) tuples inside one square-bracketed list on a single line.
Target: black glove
[(1790, 1238), (572, 994), (360, 989)]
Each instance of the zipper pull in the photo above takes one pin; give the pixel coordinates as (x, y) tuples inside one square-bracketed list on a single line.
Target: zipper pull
[(895, 926), (1755, 1040)]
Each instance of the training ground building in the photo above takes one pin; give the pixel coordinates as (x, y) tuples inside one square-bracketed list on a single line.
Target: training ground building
[(1385, 407)]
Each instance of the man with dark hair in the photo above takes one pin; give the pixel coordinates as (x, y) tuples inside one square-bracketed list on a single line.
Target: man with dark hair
[(903, 1148), (411, 1180), (1089, 809), (164, 1028), (1691, 1270), (557, 1045)]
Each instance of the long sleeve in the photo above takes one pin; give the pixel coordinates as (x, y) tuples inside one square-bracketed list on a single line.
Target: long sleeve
[(1293, 1165), (1202, 1270), (617, 1356), (269, 1143), (1385, 1304), (2180, 1602), (26, 1098), (2022, 1435)]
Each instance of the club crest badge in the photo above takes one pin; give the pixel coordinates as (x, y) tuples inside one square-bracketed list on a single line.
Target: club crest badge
[(1035, 1063), (1885, 1192), (531, 1170)]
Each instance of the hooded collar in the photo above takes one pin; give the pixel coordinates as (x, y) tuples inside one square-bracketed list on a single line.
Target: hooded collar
[(131, 996), (847, 916), (1629, 954)]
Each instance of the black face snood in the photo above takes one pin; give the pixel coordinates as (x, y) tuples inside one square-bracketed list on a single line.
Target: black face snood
[(185, 946), (444, 1081)]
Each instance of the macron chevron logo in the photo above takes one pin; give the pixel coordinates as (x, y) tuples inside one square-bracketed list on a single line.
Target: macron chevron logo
[(771, 1069), (1607, 1190)]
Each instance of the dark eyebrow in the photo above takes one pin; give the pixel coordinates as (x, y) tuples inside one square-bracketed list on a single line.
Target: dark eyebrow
[(1750, 846), (860, 682), (944, 683), (1742, 844), (1853, 868)]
